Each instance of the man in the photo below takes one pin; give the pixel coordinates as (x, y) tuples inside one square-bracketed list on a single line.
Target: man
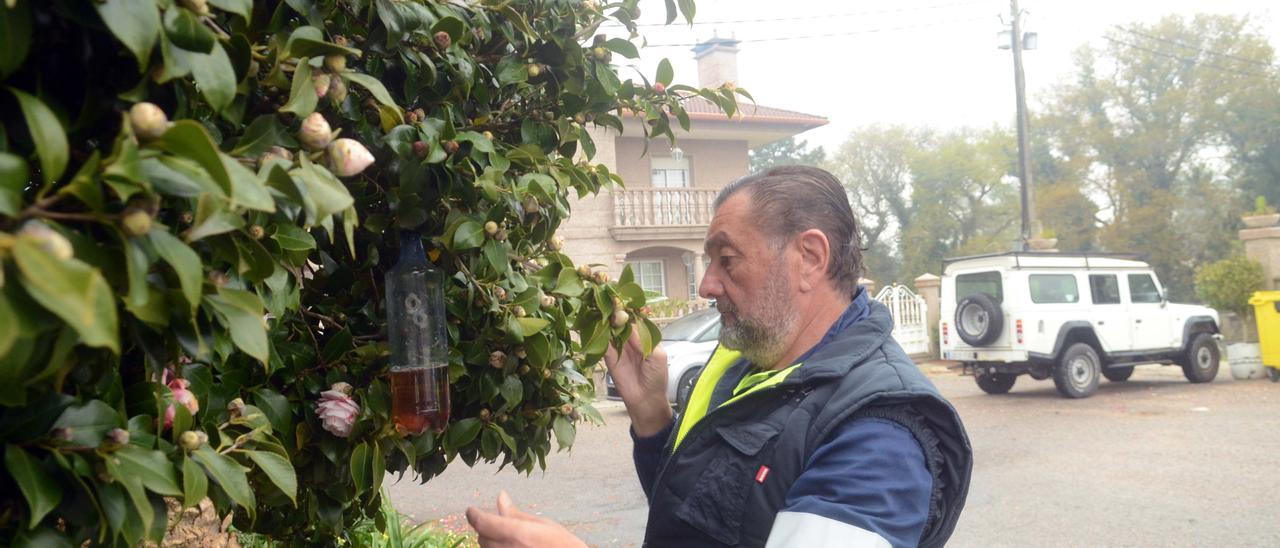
[(809, 426)]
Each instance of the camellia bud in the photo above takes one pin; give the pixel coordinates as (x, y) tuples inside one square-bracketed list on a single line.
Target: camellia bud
[(501, 236), (419, 148), (491, 228), (500, 294), (546, 373), (442, 40), (348, 157), (315, 133), (218, 278), (451, 146), (135, 221), (62, 434), (190, 440), (497, 359), (47, 239), (659, 88), (488, 135), (600, 53), (485, 415), (548, 301), (201, 7), (321, 82), (521, 352), (531, 205), (566, 409), (115, 439), (533, 69), (556, 243), (584, 271), (524, 370), (590, 4), (519, 311), (602, 277), (188, 217), (335, 62), (337, 91), (620, 318), (256, 232), (275, 152), (235, 408), (148, 121)]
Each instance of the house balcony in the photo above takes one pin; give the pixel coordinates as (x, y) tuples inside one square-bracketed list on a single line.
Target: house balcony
[(661, 213)]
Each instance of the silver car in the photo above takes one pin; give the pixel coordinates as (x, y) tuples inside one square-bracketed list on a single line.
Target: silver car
[(689, 342)]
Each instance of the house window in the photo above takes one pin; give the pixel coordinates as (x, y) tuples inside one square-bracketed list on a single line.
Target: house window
[(650, 275), (669, 172)]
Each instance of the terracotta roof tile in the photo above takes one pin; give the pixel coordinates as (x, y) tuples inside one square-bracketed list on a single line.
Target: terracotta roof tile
[(698, 107)]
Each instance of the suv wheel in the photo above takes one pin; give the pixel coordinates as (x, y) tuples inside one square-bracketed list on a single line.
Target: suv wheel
[(1076, 375), (1201, 362), (979, 320), (685, 388), (1118, 374), (996, 383)]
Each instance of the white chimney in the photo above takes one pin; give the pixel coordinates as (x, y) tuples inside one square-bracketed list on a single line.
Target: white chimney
[(717, 62)]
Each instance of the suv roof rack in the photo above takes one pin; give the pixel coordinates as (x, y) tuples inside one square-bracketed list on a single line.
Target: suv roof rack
[(1017, 255)]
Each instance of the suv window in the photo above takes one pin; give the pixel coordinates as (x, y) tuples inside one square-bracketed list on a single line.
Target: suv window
[(1054, 288), (979, 282), (1142, 289), (1105, 288)]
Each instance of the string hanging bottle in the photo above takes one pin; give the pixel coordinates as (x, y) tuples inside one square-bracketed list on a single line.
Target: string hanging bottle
[(418, 341)]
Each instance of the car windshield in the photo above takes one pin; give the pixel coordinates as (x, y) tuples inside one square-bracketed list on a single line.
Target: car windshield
[(686, 328)]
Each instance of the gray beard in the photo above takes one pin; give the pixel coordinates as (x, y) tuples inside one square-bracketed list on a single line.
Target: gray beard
[(761, 336)]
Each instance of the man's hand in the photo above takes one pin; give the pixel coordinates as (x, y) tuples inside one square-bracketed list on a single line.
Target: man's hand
[(514, 528), (642, 383)]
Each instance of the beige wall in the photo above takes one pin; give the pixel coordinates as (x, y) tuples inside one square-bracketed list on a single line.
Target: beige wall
[(712, 164), (677, 276)]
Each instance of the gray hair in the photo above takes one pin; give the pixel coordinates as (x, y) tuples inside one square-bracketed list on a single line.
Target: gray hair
[(789, 200)]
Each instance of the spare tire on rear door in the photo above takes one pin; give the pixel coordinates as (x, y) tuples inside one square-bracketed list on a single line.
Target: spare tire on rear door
[(979, 320)]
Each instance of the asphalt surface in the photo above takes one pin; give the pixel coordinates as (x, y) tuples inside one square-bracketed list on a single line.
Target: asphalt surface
[(1154, 461)]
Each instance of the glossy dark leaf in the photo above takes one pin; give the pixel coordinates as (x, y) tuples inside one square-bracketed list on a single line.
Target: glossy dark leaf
[(186, 31), (135, 23), (39, 489), (47, 134)]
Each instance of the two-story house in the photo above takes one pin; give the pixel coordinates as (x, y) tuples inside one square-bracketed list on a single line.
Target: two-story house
[(658, 222)]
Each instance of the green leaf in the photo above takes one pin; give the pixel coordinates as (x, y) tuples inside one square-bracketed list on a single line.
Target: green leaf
[(9, 328), (607, 78), (230, 476), (532, 325), (212, 217), (15, 36), (44, 537), (451, 25), (72, 290), (194, 483), (215, 76), (13, 179), (186, 31), (151, 467), (184, 261), (302, 93), (622, 47), (137, 264), (276, 407), (324, 190), (688, 8), (292, 238), (665, 73), (564, 430), (461, 433), (568, 283), (241, 312), (372, 84), (243, 8), (263, 133), (89, 422), (278, 470), (512, 390), (187, 138), (41, 491), (46, 133), (136, 23), (469, 234), (247, 190), (309, 42), (84, 184), (361, 467)]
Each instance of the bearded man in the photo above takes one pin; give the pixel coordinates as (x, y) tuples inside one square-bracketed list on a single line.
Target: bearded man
[(809, 426)]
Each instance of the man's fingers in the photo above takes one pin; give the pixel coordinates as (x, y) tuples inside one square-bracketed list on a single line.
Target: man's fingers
[(506, 508), (487, 524)]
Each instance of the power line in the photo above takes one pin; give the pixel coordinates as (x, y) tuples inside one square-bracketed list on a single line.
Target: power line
[(1195, 48), (829, 34), (1190, 60), (819, 16)]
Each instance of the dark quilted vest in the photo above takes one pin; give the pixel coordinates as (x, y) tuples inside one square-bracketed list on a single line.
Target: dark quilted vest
[(706, 494)]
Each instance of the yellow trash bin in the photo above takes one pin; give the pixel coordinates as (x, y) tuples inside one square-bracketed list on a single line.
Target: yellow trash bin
[(1266, 308)]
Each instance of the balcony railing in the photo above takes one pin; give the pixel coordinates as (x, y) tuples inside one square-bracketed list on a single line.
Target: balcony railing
[(662, 207)]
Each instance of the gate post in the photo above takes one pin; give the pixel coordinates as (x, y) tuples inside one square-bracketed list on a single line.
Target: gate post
[(929, 287)]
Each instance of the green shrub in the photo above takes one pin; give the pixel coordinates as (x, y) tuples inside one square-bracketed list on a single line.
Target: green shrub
[(1260, 207), (176, 294), (1228, 284)]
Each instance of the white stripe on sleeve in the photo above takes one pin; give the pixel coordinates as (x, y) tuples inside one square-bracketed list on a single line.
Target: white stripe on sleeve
[(796, 529)]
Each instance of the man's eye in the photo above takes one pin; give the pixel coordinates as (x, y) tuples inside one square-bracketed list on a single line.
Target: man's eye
[(726, 261)]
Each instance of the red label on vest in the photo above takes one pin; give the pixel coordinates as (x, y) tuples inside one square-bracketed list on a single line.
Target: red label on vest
[(762, 474)]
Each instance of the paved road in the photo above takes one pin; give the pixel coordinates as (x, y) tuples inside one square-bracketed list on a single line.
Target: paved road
[(1154, 461)]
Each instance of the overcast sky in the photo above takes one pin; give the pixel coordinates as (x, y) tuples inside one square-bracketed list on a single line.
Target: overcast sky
[(915, 62)]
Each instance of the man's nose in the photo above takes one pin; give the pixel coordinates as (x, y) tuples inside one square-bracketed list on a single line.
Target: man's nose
[(711, 288)]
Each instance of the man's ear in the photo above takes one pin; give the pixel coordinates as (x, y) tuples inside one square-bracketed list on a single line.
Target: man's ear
[(815, 254)]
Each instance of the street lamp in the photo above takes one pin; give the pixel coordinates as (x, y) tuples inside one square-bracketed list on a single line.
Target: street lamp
[(1015, 40)]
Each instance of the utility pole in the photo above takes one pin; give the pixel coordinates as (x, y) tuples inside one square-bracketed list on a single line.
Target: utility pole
[(1024, 169)]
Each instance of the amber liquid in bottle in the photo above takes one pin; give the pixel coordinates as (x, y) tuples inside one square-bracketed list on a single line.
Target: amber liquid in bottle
[(420, 399)]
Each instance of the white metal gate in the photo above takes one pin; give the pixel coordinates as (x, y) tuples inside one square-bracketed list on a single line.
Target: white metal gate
[(910, 326)]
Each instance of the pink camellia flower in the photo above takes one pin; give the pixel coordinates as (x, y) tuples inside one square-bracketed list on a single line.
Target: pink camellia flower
[(348, 157), (336, 409), (178, 387)]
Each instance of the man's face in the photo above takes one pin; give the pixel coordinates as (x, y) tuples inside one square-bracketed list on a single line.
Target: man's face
[(749, 281)]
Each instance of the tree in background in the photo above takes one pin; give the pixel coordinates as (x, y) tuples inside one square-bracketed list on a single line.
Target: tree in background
[(198, 203), (874, 165), (785, 152)]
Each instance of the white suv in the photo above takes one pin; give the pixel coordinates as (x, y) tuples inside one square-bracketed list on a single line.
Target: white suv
[(1068, 316)]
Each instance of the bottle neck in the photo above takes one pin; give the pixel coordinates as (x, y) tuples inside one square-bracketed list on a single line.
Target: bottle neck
[(411, 250)]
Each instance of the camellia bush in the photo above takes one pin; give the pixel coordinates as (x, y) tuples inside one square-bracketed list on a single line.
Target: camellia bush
[(198, 202)]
